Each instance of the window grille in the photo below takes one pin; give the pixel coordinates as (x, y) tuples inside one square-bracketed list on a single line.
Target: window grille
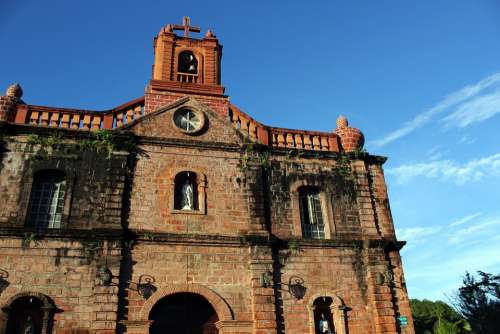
[(310, 214), (47, 200)]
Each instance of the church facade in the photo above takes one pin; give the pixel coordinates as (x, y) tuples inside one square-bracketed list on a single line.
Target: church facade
[(179, 213)]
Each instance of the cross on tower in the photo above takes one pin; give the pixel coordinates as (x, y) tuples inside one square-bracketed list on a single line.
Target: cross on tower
[(186, 21)]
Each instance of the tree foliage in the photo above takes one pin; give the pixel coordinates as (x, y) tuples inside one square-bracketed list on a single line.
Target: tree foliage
[(436, 318), (478, 300)]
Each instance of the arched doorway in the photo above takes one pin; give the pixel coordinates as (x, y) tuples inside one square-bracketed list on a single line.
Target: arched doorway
[(26, 316), (183, 313)]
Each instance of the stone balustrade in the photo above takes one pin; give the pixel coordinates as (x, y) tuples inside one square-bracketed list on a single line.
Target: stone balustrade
[(304, 140), (279, 137), (115, 118), (80, 119)]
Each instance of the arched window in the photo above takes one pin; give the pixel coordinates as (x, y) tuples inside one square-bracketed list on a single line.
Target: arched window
[(26, 316), (29, 312), (327, 314), (187, 63), (186, 192), (311, 214), (47, 199), (323, 318)]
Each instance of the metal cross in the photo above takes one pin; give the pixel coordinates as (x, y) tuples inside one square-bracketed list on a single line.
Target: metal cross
[(186, 21)]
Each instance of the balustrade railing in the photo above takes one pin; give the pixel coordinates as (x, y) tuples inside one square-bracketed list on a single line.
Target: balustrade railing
[(83, 119), (251, 128), (279, 137), (305, 140), (187, 77), (66, 119), (129, 112)]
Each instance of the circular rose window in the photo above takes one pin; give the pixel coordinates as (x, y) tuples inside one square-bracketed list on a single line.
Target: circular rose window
[(189, 121)]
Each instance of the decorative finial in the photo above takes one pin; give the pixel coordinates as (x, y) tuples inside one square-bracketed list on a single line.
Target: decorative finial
[(15, 90), (210, 34), (342, 122), (168, 28), (351, 139)]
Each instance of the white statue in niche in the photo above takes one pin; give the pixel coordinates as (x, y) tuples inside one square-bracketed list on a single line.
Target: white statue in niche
[(187, 202), (29, 327), (323, 325)]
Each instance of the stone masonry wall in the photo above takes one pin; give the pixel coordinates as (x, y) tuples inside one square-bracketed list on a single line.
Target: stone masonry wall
[(225, 194), (221, 268), (327, 271), (64, 270), (94, 185)]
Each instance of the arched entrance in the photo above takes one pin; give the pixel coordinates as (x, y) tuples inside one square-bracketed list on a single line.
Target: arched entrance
[(183, 313), (26, 316)]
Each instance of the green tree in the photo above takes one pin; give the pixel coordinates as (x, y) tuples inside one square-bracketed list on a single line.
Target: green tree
[(436, 318), (478, 300)]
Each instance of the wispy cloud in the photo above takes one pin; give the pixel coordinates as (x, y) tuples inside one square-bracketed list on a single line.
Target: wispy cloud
[(475, 231), (449, 101), (442, 257), (447, 170), (436, 153), (477, 110), (466, 140), (417, 233), (466, 219)]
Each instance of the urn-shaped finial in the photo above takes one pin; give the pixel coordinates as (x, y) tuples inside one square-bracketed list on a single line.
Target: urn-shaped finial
[(15, 90), (342, 122), (168, 28), (351, 139), (210, 34)]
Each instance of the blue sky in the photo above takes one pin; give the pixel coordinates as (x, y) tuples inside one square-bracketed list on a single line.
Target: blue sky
[(420, 78)]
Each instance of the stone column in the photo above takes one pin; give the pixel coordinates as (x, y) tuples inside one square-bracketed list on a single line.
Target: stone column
[(401, 300), (379, 293), (263, 299)]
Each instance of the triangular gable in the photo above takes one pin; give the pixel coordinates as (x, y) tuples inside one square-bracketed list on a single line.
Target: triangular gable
[(160, 124)]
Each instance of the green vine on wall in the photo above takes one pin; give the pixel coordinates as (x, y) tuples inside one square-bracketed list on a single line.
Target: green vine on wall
[(28, 238), (101, 142), (255, 155)]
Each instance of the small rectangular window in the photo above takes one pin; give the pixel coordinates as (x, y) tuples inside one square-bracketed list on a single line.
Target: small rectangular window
[(311, 215), (47, 200)]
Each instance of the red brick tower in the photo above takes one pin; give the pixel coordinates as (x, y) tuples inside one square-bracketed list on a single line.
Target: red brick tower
[(185, 65)]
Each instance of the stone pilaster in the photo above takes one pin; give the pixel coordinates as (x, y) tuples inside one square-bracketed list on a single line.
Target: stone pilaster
[(263, 299)]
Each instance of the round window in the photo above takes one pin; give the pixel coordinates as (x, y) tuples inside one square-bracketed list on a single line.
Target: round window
[(188, 120)]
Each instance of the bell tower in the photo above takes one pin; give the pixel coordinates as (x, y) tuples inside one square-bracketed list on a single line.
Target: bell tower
[(185, 64)]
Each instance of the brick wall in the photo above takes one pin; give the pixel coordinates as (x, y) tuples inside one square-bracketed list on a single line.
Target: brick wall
[(65, 270), (222, 250), (156, 99)]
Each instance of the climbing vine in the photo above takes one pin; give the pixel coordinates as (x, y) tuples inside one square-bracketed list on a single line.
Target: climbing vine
[(102, 142), (254, 154), (28, 238)]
